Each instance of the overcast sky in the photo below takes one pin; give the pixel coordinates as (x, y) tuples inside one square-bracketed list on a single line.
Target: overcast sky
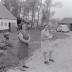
[(66, 10)]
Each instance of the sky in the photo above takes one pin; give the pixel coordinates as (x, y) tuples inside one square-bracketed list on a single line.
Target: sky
[(65, 11)]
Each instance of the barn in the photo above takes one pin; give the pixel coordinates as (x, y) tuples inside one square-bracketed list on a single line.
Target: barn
[(67, 22), (7, 20)]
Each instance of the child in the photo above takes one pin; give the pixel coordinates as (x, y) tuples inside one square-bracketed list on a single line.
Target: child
[(23, 45), (46, 48)]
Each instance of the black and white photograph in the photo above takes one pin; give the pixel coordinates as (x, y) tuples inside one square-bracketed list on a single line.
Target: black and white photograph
[(35, 36)]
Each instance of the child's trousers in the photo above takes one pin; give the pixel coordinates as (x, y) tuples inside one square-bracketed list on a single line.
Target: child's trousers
[(46, 49)]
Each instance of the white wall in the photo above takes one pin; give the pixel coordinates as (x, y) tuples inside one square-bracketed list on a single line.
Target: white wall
[(5, 22)]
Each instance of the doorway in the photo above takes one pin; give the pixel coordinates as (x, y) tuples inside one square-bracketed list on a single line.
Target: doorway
[(70, 27), (9, 27)]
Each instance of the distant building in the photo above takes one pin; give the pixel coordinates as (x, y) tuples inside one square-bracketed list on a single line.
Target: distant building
[(7, 20), (67, 22)]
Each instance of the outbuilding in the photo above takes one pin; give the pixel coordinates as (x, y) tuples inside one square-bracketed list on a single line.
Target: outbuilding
[(7, 20), (66, 23)]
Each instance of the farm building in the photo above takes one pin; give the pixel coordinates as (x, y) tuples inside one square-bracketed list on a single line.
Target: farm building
[(7, 20), (67, 22)]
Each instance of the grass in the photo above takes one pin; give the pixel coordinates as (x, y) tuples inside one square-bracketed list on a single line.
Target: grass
[(35, 36), (10, 58)]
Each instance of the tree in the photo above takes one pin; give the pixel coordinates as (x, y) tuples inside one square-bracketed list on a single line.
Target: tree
[(31, 6), (39, 10), (47, 13)]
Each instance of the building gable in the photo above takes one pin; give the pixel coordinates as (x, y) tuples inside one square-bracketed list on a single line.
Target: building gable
[(5, 14)]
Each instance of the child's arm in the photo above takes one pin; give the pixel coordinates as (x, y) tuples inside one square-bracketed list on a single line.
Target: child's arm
[(20, 36)]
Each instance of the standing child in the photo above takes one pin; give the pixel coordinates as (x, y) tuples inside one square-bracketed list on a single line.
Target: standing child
[(46, 48), (23, 45)]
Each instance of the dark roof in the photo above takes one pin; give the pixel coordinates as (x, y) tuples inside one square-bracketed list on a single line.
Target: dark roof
[(5, 14), (66, 20)]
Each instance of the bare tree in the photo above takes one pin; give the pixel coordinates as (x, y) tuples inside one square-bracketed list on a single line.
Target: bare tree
[(47, 13), (31, 6)]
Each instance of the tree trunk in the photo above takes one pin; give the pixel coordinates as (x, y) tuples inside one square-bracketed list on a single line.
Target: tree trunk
[(28, 15), (38, 18), (32, 17)]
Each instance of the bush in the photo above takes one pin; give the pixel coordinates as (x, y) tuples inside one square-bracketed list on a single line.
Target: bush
[(8, 60)]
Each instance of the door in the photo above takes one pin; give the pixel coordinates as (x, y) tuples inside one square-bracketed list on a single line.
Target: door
[(9, 27), (70, 26)]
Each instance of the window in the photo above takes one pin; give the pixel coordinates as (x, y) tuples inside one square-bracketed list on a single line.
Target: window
[(13, 23), (1, 23), (5, 23)]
